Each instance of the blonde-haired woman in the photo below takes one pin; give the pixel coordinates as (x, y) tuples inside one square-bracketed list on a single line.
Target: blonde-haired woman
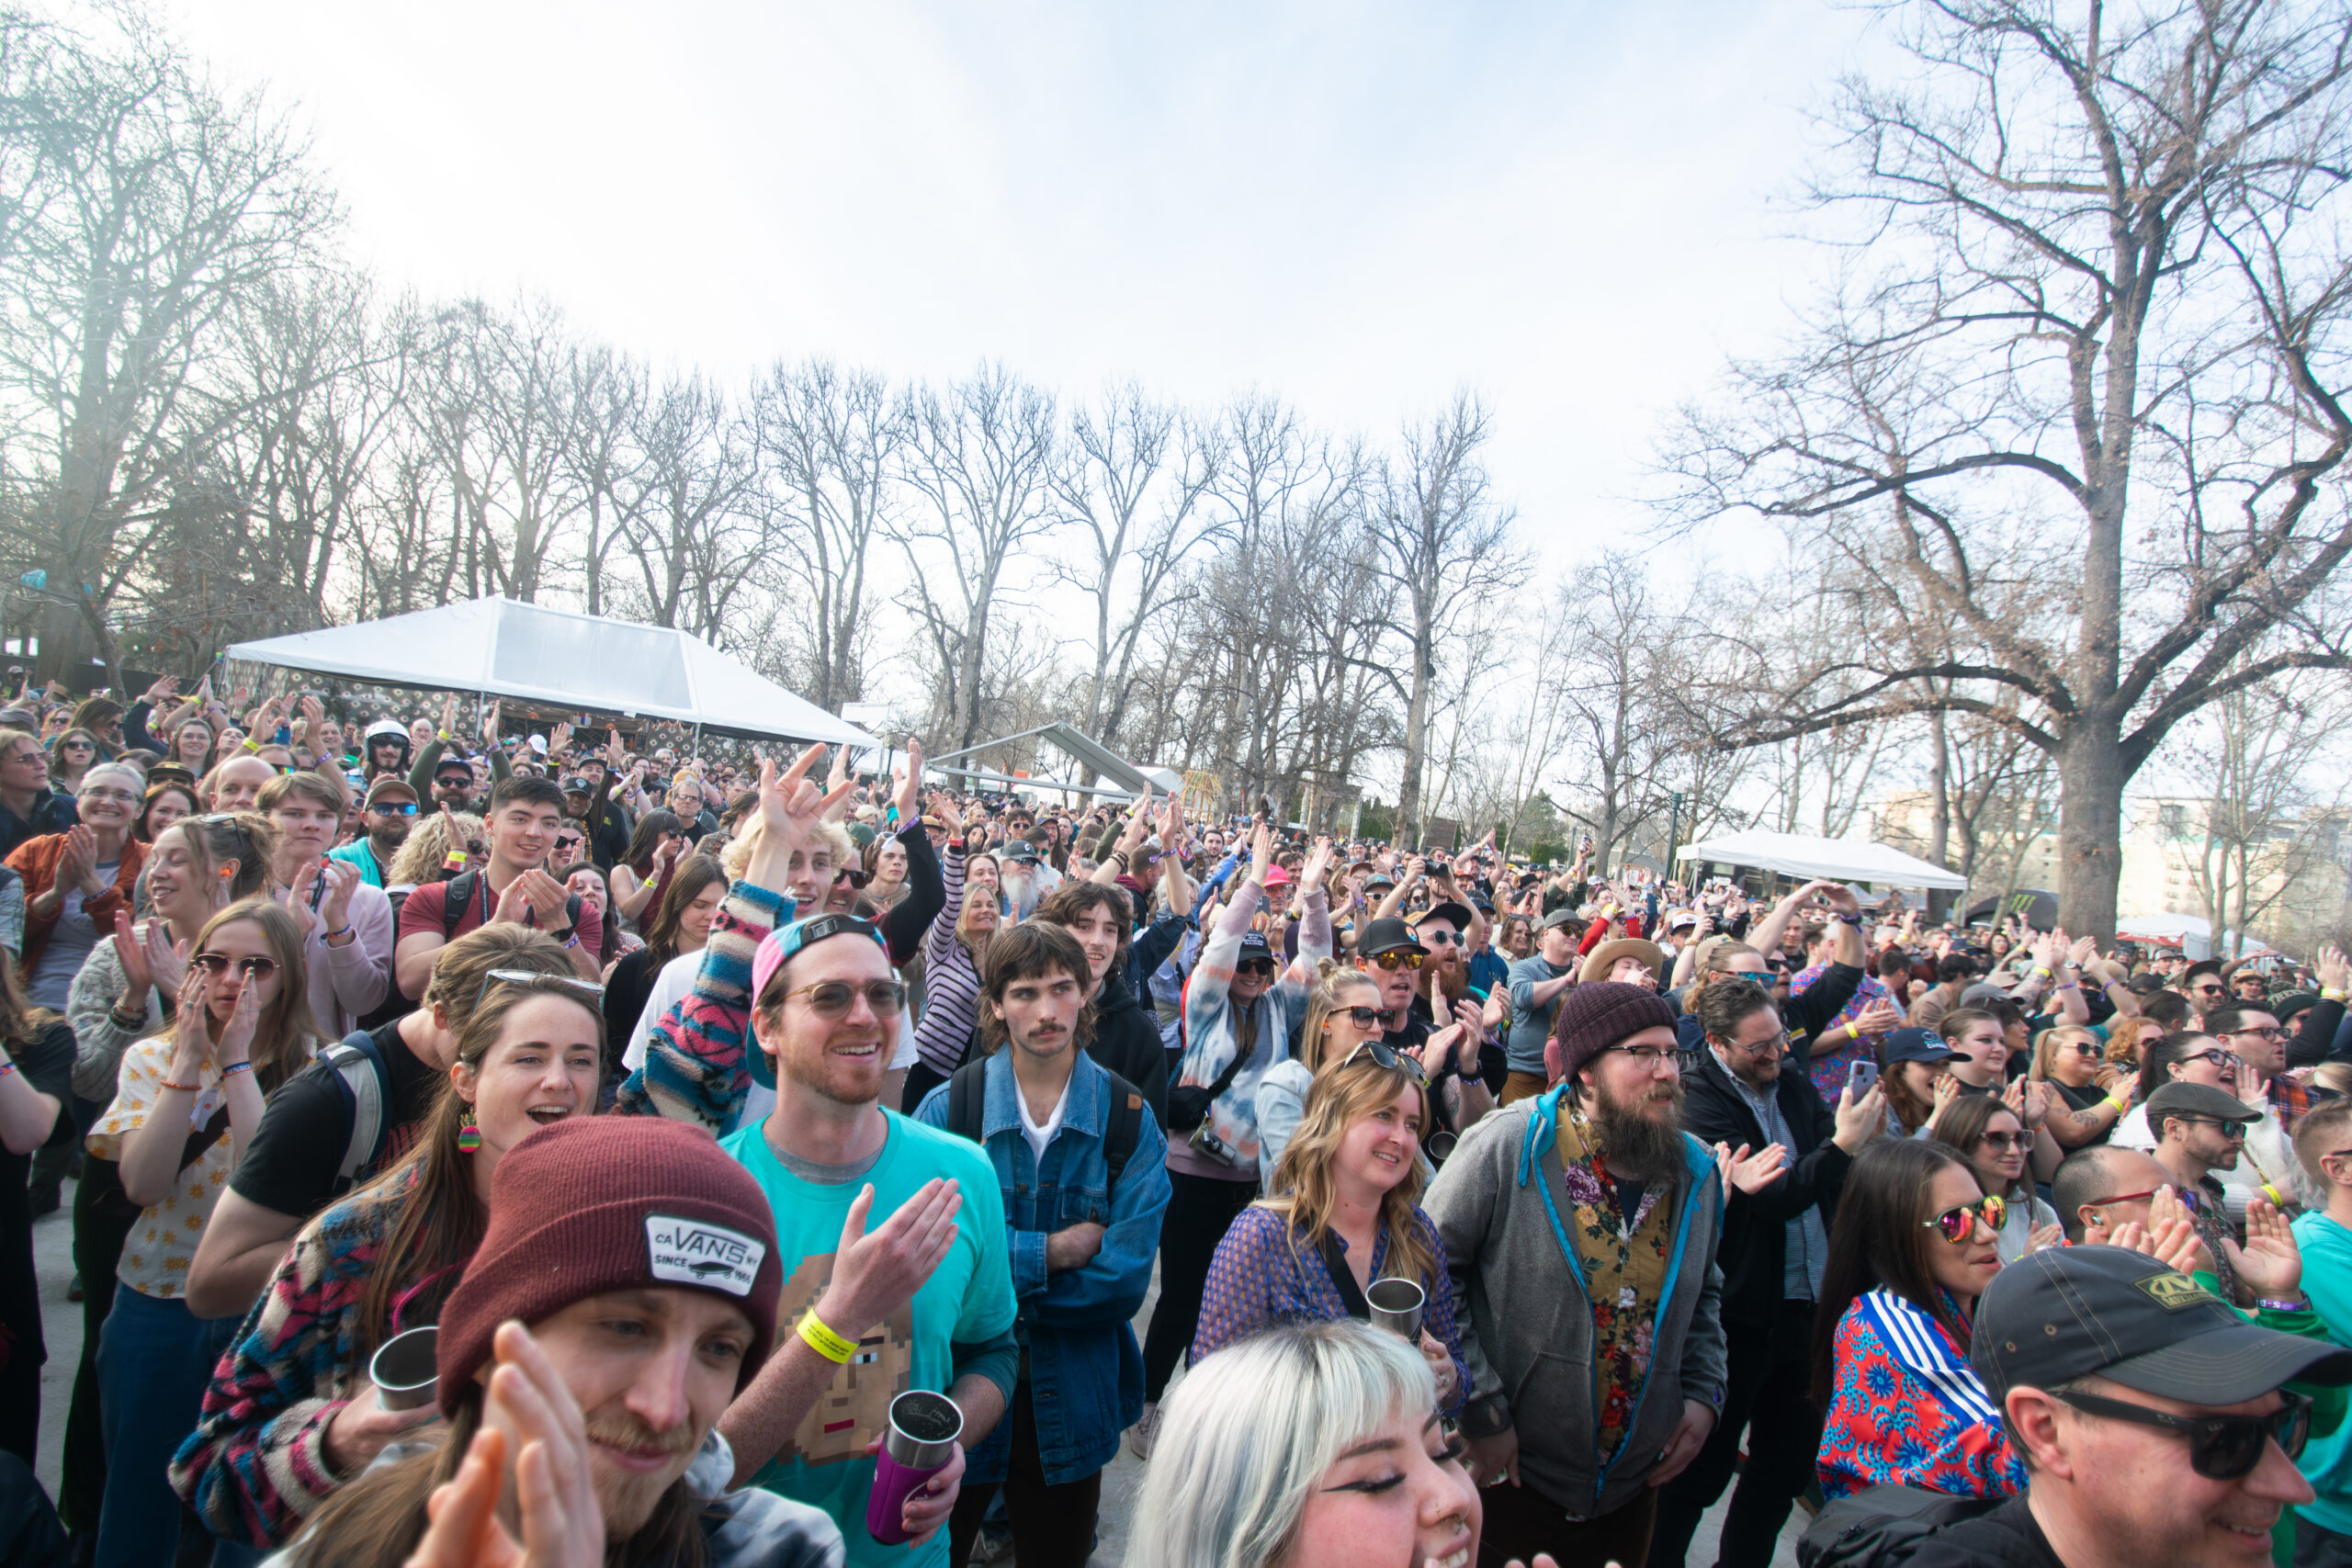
[(1342, 1011), (1346, 1212), (2071, 1058), (425, 854)]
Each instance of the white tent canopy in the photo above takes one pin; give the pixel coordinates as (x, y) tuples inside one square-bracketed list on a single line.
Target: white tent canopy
[(2193, 934), (1848, 860), (503, 647)]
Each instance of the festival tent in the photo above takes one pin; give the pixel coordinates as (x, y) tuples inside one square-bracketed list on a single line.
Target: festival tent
[(2191, 933), (502, 648), (1848, 860)]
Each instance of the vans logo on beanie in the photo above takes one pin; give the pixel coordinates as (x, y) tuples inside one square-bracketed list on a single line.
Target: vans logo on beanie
[(696, 1252)]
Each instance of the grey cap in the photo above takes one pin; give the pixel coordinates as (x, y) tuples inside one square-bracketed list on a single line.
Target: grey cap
[(2199, 1099), (2069, 1312), (1558, 918)]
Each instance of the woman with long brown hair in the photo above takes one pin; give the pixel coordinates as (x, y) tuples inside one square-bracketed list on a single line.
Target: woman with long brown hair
[(291, 1402), (189, 1099), (1342, 1011), (658, 839), (1345, 1214), (682, 925)]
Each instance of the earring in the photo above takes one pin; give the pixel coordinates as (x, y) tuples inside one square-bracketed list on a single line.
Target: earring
[(469, 1135)]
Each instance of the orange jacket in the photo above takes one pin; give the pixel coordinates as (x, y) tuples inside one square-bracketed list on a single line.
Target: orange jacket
[(36, 860)]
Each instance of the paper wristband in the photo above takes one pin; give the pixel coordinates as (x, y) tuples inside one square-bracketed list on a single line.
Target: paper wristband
[(824, 1341)]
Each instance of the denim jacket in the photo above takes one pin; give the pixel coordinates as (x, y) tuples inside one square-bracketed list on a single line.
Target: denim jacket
[(1080, 1359)]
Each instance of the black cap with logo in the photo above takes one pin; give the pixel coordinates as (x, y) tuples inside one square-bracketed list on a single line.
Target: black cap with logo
[(2069, 1312), (1388, 935)]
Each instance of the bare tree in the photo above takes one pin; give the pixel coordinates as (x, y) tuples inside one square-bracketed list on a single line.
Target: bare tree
[(2254, 841), (2086, 348), (693, 542), (1445, 546)]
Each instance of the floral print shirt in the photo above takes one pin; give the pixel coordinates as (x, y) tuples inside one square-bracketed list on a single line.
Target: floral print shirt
[(1907, 1409), (163, 1239), (1624, 1260)]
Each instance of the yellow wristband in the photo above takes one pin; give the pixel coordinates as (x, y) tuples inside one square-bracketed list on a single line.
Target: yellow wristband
[(2328, 995), (2278, 1198), (1852, 1033), (2121, 1105), (824, 1341)]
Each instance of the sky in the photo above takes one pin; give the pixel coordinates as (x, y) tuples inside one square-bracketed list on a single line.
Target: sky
[(1575, 210)]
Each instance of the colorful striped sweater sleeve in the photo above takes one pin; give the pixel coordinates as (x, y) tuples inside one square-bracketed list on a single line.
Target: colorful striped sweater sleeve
[(697, 1059), (256, 1466)]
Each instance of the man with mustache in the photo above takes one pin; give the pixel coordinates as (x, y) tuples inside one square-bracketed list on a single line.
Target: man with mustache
[(1582, 1228), (624, 1293)]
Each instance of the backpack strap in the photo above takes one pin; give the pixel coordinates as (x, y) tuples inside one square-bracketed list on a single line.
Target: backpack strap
[(967, 1092), (456, 894), (361, 1067), (1125, 1129)]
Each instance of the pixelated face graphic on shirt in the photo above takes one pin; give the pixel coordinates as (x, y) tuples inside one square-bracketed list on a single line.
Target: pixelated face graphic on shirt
[(852, 1411)]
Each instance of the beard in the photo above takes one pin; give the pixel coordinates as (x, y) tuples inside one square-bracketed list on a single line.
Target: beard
[(1639, 1145), (629, 1498)]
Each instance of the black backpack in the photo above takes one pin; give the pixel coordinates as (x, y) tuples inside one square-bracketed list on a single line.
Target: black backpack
[(967, 1091), (1883, 1526)]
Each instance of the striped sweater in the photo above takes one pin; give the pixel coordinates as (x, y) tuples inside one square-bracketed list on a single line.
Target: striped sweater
[(951, 983), (256, 1466), (699, 1059)]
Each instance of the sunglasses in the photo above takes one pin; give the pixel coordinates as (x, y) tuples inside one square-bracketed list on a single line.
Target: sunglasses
[(1362, 1017), (74, 745), (2083, 1048), (1258, 968), (1437, 938), (395, 808), (831, 999), (588, 991), (217, 964), (1392, 1061), (2007, 1141), (1958, 1224), (1397, 960), (2220, 1447), (852, 875)]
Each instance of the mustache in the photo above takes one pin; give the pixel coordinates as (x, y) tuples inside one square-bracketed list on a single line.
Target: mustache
[(627, 1432)]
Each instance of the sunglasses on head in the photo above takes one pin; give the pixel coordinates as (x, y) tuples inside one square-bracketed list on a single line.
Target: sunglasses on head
[(1958, 1223), (218, 963), (1393, 1061), (587, 991), (2220, 1447)]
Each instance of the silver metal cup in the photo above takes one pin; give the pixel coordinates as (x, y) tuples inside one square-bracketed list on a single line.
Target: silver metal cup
[(1440, 1145), (406, 1369), (1396, 1304), (923, 1428)]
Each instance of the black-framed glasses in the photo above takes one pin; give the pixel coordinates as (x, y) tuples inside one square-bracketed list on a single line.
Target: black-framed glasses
[(1647, 1057), (1257, 968), (587, 991), (218, 963), (1394, 1061), (832, 998), (2220, 1447), (2271, 1033), (2219, 1057), (1362, 1017), (1959, 1222)]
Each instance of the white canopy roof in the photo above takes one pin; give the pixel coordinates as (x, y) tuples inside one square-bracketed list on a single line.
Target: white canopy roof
[(1848, 860), (588, 663), (2194, 933)]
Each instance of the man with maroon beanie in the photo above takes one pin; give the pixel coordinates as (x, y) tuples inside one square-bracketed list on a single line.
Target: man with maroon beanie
[(1580, 1227), (624, 1294)]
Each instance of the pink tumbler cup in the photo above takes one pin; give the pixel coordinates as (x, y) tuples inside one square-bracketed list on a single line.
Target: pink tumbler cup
[(916, 1446)]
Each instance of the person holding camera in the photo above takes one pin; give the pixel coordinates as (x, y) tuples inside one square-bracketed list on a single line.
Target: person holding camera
[(1238, 1016)]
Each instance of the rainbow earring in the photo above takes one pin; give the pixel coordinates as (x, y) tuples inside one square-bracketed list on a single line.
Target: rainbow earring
[(469, 1135)]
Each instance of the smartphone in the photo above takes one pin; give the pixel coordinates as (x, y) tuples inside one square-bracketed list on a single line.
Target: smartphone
[(1861, 1077)]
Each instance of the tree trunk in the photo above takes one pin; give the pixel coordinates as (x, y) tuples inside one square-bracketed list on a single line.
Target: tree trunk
[(1938, 814), (1417, 718), (2090, 827)]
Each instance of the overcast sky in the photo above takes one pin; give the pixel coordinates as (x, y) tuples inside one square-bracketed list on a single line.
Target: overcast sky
[(1572, 209)]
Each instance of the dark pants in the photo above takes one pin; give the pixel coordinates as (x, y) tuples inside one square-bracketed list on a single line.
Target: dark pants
[(98, 1236), (2318, 1547), (1521, 1521), (1768, 1395), (1053, 1526), (1201, 1209)]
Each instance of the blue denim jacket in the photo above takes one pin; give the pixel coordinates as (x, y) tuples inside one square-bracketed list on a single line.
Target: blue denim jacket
[(1084, 1367)]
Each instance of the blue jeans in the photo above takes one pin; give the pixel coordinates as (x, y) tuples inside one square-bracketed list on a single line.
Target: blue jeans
[(155, 1358)]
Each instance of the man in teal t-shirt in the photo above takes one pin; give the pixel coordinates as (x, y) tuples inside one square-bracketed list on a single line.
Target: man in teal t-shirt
[(898, 1289)]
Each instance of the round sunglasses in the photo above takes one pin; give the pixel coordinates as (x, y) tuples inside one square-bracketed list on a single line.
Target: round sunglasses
[(1958, 1223)]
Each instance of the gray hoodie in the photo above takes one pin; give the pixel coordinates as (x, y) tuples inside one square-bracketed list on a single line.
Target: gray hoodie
[(1526, 1324)]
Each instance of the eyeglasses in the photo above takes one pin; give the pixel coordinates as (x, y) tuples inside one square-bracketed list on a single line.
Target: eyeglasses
[(1437, 938), (2118, 1198), (1647, 1057), (2220, 1447), (2218, 1058), (1770, 1042), (123, 795), (395, 808), (2271, 1032), (217, 964), (2007, 1141), (1958, 1223), (2230, 1129), (1395, 1061), (831, 999), (1398, 959), (589, 992)]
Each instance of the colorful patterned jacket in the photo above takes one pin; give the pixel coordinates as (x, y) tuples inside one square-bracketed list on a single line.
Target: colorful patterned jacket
[(701, 1060), (1906, 1409)]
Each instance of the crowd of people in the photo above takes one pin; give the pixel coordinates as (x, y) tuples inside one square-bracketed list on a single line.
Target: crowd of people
[(494, 1149)]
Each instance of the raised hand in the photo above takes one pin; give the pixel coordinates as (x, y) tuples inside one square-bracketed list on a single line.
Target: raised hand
[(1311, 874), (1261, 853), (244, 1017), (2334, 969), (877, 1274), (2270, 1262), (490, 724), (909, 782), (791, 809)]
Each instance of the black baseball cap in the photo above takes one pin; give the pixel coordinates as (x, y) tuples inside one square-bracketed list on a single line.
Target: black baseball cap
[(1386, 935), (453, 764), (2070, 1312), (1253, 945), (1918, 1045), (575, 784), (1449, 910)]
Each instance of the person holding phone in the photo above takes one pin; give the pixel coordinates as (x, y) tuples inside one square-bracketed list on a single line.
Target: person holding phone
[(1747, 1094)]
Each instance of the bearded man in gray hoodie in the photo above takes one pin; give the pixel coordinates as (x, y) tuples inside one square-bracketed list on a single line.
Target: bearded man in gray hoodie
[(1580, 1230)]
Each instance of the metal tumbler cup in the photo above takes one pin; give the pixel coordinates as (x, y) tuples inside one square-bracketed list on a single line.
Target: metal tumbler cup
[(406, 1369), (1440, 1145), (916, 1446), (1396, 1304)]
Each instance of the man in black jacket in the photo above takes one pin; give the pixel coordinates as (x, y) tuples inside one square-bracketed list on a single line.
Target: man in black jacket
[(1126, 1039), (1747, 1094)]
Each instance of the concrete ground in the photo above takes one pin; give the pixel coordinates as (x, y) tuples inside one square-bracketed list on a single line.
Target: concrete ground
[(62, 1323)]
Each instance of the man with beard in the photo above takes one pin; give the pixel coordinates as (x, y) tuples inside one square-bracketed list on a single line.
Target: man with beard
[(1580, 1229), (388, 812), (384, 750), (625, 1291), (1746, 1095)]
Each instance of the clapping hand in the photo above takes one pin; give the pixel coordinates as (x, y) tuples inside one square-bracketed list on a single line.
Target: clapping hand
[(2269, 1261)]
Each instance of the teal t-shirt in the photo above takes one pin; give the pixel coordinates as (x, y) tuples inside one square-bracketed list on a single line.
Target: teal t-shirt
[(968, 1298), (2327, 1462)]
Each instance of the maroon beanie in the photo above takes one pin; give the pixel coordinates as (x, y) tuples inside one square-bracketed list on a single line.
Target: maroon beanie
[(1595, 1016), (600, 1204)]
